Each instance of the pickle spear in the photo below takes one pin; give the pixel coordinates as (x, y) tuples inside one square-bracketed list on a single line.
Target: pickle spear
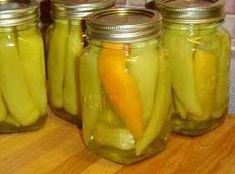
[(109, 116), (205, 79), (183, 83), (119, 138), (13, 83), (120, 87), (143, 67), (32, 58), (90, 90), (56, 63), (73, 50), (222, 87), (161, 106)]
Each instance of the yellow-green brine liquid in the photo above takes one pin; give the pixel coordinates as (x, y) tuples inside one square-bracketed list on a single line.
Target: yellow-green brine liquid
[(23, 103), (199, 49), (64, 44)]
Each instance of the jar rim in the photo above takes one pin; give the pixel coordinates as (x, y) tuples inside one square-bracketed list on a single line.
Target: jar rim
[(74, 9), (124, 24), (14, 12), (195, 11)]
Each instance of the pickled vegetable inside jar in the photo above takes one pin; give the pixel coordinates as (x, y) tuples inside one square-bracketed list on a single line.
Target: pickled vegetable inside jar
[(65, 43), (199, 52), (23, 103), (125, 85)]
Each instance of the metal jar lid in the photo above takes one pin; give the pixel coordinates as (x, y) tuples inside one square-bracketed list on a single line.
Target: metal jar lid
[(77, 9), (14, 13), (191, 11), (123, 24)]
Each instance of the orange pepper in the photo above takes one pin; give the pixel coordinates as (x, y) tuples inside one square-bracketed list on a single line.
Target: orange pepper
[(120, 87)]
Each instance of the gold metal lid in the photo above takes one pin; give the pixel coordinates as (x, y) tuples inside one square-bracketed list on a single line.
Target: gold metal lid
[(19, 12), (77, 9), (191, 11), (123, 24)]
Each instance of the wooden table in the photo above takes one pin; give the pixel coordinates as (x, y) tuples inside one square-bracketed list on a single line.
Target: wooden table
[(57, 149)]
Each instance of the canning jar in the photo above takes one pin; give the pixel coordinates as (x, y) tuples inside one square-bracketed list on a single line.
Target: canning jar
[(23, 103), (65, 43), (125, 85), (199, 50)]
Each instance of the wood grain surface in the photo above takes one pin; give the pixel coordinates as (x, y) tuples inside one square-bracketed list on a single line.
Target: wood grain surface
[(58, 149)]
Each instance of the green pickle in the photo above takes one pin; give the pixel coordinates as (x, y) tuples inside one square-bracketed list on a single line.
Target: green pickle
[(182, 66), (23, 102), (73, 49), (55, 65), (13, 83), (64, 52), (30, 42), (222, 96), (144, 64), (18, 91), (65, 42), (201, 56), (162, 105), (198, 48), (22, 81), (90, 90)]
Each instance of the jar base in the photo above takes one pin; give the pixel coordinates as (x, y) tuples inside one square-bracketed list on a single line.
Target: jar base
[(6, 128), (61, 113), (194, 128), (127, 157)]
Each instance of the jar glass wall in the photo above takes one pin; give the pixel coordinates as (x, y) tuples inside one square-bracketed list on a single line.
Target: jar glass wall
[(125, 90), (65, 45), (200, 76), (65, 42), (125, 99), (23, 103), (199, 51)]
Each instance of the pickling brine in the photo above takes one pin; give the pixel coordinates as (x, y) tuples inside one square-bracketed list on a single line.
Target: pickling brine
[(199, 50), (23, 103), (125, 91)]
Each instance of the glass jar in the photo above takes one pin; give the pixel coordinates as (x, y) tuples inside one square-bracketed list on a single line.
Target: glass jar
[(65, 43), (125, 91), (199, 50), (23, 103)]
